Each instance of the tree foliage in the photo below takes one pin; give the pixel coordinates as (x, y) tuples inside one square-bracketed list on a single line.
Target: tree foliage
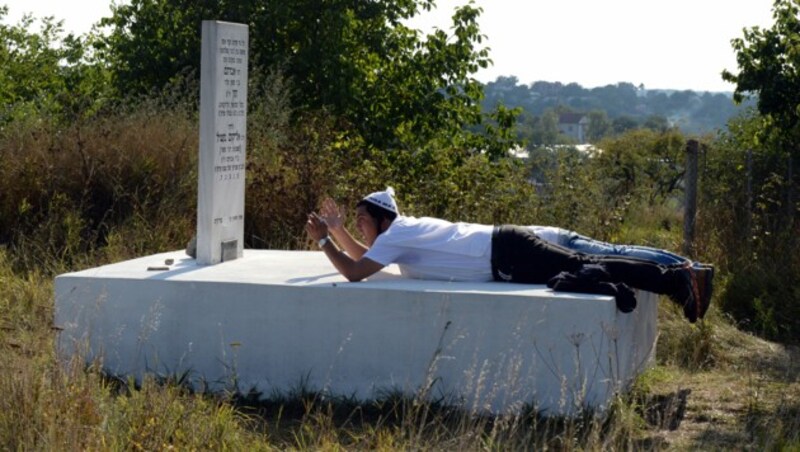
[(769, 67), (599, 125), (355, 59), (644, 161), (745, 224), (750, 193), (44, 70)]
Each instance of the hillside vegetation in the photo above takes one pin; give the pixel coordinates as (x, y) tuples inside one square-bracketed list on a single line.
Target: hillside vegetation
[(98, 163), (614, 109)]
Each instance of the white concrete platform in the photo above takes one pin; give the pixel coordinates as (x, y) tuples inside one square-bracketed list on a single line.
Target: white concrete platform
[(275, 320)]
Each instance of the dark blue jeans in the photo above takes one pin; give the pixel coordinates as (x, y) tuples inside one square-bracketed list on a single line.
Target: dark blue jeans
[(586, 245)]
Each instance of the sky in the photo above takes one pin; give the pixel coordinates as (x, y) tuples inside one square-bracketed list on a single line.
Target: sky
[(675, 44)]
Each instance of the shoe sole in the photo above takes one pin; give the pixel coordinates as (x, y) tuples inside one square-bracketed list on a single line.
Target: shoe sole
[(706, 289), (691, 308)]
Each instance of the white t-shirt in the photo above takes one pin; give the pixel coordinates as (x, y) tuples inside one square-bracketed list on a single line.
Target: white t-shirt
[(431, 248)]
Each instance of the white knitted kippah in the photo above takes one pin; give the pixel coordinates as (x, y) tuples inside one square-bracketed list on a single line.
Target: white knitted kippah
[(384, 199)]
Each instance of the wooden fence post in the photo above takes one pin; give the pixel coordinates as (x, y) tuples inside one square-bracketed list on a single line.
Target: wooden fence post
[(749, 180), (790, 190), (690, 209)]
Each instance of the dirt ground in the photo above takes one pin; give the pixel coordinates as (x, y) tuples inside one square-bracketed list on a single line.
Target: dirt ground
[(751, 402)]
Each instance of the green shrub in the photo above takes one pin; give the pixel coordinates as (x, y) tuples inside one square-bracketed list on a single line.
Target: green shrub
[(749, 223)]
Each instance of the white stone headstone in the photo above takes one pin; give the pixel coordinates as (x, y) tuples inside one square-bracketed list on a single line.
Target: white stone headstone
[(223, 132)]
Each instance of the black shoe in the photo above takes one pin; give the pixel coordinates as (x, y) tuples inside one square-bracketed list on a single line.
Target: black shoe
[(705, 284), (686, 294)]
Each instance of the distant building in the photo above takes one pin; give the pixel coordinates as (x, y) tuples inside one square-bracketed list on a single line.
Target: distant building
[(588, 150), (574, 125)]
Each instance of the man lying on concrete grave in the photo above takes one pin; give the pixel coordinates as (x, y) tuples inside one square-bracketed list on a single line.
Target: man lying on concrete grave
[(704, 273), (432, 248)]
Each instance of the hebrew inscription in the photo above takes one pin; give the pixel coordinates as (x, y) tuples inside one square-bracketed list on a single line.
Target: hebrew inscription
[(223, 138)]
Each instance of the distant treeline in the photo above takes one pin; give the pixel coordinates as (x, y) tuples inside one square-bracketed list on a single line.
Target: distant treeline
[(625, 105)]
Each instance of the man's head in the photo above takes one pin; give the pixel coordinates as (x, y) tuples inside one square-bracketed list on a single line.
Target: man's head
[(375, 213)]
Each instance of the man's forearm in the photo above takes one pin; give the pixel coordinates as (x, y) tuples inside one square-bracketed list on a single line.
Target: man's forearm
[(352, 269), (346, 240)]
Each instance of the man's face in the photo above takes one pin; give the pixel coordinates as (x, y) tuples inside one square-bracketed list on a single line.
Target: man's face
[(365, 224)]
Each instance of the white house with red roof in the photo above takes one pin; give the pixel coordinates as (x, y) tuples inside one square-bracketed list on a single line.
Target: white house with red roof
[(574, 125)]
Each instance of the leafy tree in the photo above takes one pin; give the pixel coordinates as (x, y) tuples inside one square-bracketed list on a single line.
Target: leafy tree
[(546, 130), (742, 204), (28, 62), (749, 188), (46, 72), (356, 59), (769, 66), (506, 90), (599, 125), (657, 123), (617, 99), (623, 124), (643, 162)]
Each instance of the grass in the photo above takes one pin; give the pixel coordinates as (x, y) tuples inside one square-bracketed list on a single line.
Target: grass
[(744, 393)]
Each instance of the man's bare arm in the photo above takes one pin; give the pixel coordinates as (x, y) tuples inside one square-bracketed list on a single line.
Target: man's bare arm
[(352, 246), (352, 269)]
